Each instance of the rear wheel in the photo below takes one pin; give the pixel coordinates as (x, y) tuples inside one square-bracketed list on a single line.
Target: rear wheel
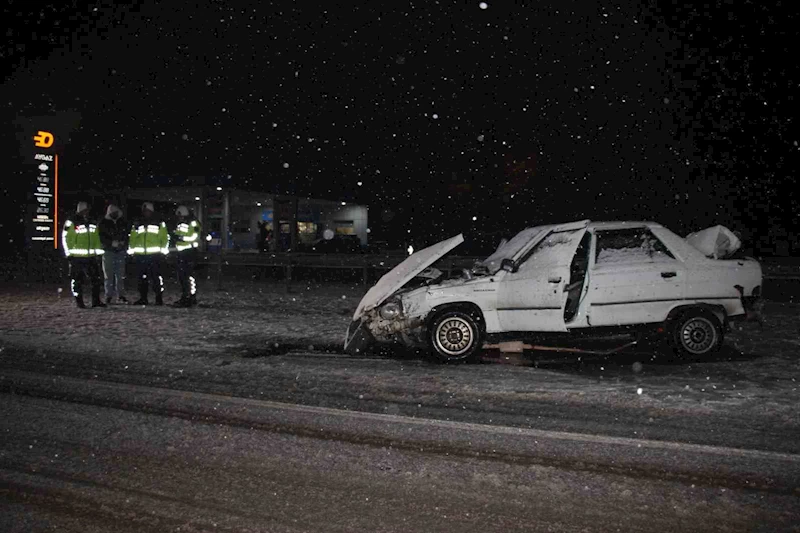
[(696, 333), (455, 336)]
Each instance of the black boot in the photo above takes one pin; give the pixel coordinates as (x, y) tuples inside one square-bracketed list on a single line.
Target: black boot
[(142, 296), (79, 301), (97, 303), (193, 300), (159, 299), (183, 302)]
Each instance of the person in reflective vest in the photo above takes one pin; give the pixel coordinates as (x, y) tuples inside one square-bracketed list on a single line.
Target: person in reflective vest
[(148, 243), (83, 249), (187, 242)]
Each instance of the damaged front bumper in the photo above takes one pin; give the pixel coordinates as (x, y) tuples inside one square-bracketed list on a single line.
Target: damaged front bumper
[(371, 329), (358, 338)]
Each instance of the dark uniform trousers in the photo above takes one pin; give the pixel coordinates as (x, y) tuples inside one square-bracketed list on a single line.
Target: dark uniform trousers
[(148, 272), (80, 268), (185, 269)]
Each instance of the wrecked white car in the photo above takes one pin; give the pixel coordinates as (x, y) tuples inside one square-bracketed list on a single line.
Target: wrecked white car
[(566, 279)]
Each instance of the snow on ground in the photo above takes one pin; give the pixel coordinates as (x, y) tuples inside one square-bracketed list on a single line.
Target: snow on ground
[(757, 372), (240, 317)]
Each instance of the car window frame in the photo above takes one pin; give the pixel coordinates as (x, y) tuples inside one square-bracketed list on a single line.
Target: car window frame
[(596, 249), (529, 253)]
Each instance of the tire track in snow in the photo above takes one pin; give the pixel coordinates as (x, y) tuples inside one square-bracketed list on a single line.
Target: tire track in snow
[(716, 466)]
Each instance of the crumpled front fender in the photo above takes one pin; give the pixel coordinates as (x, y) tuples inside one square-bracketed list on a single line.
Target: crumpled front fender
[(371, 328), (386, 329)]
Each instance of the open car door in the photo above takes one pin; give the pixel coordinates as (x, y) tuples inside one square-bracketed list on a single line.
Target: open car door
[(532, 296)]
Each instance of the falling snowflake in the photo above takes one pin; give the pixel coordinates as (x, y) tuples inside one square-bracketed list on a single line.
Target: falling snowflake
[(639, 390), (286, 165), (483, 5)]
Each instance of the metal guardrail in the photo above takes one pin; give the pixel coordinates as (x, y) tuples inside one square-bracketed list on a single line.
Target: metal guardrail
[(372, 263), (369, 264), (781, 268)]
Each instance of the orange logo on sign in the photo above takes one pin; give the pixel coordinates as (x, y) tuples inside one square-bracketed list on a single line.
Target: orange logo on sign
[(44, 139)]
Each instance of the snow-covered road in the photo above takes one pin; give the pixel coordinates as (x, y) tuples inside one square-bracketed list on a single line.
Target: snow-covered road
[(619, 442), (105, 456), (233, 337)]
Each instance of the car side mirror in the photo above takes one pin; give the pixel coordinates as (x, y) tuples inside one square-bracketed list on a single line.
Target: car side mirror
[(508, 265)]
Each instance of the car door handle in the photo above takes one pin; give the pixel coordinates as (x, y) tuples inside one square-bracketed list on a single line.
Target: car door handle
[(555, 280), (668, 274)]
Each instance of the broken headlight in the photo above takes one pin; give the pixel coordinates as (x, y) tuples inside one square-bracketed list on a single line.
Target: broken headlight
[(391, 310)]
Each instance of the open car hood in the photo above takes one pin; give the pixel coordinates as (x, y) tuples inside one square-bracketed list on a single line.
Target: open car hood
[(394, 280)]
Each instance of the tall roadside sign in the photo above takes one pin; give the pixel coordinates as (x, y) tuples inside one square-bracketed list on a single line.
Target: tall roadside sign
[(43, 224), (42, 142)]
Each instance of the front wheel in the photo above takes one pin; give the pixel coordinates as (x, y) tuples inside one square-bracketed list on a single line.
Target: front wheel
[(455, 336), (697, 333)]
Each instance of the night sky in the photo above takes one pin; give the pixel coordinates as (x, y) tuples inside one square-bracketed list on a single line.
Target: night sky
[(442, 116)]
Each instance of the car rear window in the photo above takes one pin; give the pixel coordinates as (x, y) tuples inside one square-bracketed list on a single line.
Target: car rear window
[(630, 245)]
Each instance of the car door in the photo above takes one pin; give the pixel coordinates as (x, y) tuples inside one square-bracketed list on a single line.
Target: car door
[(532, 296), (635, 278)]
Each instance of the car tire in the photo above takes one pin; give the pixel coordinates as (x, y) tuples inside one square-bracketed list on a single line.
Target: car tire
[(455, 336), (696, 333)]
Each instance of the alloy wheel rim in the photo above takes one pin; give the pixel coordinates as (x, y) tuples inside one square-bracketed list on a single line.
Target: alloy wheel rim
[(454, 336), (698, 335)]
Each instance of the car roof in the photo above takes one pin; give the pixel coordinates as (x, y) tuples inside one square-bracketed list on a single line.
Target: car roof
[(623, 224)]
